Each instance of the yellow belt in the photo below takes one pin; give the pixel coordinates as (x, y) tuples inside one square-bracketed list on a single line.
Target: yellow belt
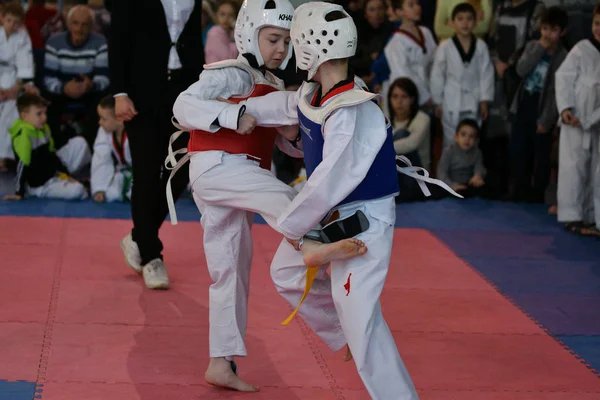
[(311, 272)]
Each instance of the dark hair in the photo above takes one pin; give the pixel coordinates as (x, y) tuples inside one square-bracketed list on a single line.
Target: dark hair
[(408, 87), (597, 9), (555, 16), (14, 8), (233, 3), (107, 102), (468, 122), (27, 100), (464, 8), (397, 4)]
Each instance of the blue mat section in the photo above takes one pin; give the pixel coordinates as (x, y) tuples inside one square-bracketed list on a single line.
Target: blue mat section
[(19, 390), (590, 346)]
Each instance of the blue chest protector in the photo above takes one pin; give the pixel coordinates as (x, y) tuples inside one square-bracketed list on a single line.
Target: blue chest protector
[(382, 178)]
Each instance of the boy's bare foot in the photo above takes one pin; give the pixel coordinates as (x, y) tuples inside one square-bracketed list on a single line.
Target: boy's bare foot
[(321, 254), (348, 355), (220, 373)]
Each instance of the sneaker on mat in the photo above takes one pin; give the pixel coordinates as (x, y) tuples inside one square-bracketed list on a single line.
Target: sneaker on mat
[(132, 254), (155, 275)]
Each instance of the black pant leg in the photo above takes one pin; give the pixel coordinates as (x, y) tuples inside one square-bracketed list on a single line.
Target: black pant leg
[(149, 134), (144, 141), (541, 174)]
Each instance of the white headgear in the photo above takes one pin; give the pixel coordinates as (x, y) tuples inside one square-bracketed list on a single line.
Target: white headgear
[(321, 32), (256, 14)]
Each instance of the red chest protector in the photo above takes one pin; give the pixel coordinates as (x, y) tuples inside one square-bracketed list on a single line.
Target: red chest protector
[(259, 143)]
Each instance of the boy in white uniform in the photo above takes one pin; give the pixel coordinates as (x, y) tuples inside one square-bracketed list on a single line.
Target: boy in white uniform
[(230, 160), (111, 162), (462, 77), (16, 68), (578, 101), (410, 50), (350, 164)]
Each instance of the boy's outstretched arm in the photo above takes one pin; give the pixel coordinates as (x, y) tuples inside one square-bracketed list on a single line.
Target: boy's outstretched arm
[(274, 109), (199, 107), (353, 139)]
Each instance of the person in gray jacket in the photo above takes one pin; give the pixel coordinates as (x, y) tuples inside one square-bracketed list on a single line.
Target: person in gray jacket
[(534, 109), (461, 166)]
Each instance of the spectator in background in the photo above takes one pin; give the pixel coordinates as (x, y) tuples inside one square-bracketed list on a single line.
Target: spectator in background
[(58, 23), (373, 33), (37, 15), (44, 169), (461, 166), (111, 175), (208, 19), (535, 108), (443, 17), (411, 126), (514, 23), (578, 101), (353, 7), (101, 17), (76, 73), (580, 14), (410, 50), (462, 77), (220, 43), (16, 72)]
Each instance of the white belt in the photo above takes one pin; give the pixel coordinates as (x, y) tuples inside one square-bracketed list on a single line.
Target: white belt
[(173, 165), (413, 172)]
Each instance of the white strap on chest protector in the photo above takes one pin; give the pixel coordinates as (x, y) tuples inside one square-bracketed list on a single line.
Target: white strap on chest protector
[(413, 172)]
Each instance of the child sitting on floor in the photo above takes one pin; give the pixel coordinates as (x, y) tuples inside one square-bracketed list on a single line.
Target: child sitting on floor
[(42, 171), (461, 166), (111, 163)]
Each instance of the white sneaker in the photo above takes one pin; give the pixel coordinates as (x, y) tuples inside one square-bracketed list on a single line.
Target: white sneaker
[(132, 253), (155, 275)]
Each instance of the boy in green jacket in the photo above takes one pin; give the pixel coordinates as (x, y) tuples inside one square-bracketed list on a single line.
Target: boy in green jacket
[(42, 171)]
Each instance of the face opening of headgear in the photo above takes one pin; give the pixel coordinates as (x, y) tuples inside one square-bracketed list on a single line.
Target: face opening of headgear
[(322, 32), (257, 14)]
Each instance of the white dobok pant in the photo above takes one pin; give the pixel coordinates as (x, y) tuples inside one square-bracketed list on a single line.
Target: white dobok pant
[(8, 115), (74, 155), (579, 175), (355, 286), (228, 189)]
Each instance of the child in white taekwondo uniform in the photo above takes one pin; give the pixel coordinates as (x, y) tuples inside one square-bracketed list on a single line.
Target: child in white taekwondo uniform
[(16, 68), (462, 77), (578, 101), (111, 162), (230, 160), (410, 50), (350, 164)]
